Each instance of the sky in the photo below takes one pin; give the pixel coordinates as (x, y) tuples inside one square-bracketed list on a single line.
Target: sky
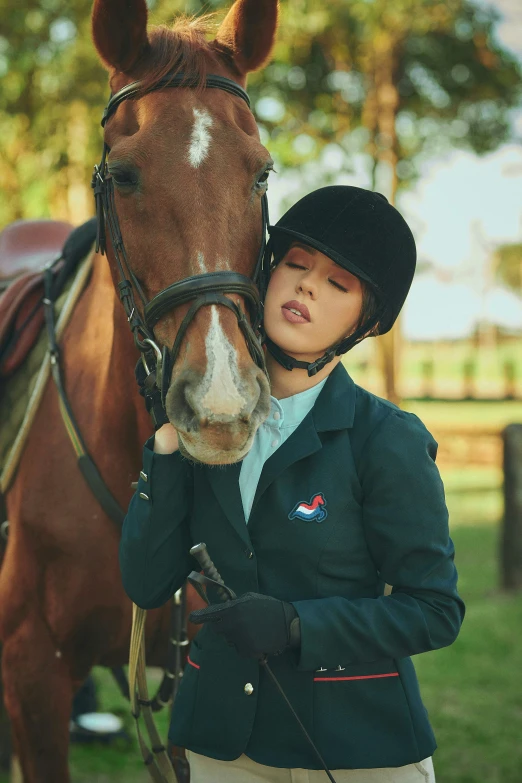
[(460, 209)]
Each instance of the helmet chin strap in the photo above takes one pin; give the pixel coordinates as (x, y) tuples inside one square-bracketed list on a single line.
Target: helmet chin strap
[(289, 363)]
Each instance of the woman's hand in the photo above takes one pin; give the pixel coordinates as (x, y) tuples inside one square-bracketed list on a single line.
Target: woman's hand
[(166, 440), (254, 624)]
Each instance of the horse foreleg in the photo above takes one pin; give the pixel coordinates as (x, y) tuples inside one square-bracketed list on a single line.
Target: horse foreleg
[(37, 685)]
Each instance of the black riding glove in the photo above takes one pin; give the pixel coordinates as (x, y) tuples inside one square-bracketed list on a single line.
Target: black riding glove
[(254, 624), (151, 394)]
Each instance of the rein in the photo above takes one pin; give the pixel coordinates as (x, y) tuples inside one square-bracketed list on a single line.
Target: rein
[(205, 289)]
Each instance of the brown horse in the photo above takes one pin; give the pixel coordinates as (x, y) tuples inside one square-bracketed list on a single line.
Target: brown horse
[(189, 173)]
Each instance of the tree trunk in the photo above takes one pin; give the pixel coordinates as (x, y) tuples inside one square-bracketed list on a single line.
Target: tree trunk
[(80, 202), (387, 106), (511, 540)]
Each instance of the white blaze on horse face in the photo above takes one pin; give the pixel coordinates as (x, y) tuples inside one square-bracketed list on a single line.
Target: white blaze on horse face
[(200, 137), (201, 262), (222, 264), (221, 381)]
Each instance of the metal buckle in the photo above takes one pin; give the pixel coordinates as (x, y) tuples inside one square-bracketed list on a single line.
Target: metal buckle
[(158, 357)]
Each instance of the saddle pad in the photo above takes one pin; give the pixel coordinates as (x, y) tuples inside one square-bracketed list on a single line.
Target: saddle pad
[(21, 318)]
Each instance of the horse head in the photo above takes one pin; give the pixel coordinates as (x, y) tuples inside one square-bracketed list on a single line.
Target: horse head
[(189, 174)]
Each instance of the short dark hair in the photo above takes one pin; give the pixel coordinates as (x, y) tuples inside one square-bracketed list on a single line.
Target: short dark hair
[(371, 305)]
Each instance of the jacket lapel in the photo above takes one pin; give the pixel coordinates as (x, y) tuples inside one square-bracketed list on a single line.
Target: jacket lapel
[(334, 409), (225, 485), (303, 442)]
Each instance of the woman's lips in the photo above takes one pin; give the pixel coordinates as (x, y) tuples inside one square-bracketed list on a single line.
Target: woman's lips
[(295, 312)]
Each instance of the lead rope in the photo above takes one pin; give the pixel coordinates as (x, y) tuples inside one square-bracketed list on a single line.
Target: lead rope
[(156, 758)]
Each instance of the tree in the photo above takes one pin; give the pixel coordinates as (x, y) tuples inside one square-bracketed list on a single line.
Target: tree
[(48, 62), (508, 265)]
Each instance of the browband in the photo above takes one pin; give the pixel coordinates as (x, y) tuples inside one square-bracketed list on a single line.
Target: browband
[(177, 80)]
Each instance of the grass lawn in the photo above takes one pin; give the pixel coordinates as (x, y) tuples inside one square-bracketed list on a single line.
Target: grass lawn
[(450, 363), (473, 689)]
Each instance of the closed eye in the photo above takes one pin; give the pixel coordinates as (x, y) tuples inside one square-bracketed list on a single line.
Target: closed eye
[(338, 286), (294, 266), (335, 284)]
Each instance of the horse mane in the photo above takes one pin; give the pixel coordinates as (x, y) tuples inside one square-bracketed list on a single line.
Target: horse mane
[(182, 48)]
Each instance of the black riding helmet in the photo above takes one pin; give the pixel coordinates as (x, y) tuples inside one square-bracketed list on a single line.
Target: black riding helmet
[(362, 232)]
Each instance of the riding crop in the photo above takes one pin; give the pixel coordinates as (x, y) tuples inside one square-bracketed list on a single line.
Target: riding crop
[(213, 577)]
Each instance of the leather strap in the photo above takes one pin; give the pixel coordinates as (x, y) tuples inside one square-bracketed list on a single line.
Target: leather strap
[(135, 89), (189, 288), (86, 464), (289, 363)]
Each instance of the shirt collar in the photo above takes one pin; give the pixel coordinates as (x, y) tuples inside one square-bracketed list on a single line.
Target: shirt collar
[(293, 409), (332, 401)]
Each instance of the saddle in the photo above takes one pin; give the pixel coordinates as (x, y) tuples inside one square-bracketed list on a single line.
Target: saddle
[(26, 248)]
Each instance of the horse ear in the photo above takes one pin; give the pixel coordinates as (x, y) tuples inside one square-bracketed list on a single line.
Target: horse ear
[(119, 31), (248, 33)]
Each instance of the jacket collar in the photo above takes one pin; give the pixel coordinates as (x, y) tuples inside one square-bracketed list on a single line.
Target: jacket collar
[(334, 409), (225, 485)]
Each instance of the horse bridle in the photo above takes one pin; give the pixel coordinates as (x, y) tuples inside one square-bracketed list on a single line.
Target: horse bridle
[(205, 289)]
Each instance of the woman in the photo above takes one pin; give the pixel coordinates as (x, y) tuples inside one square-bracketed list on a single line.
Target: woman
[(333, 531)]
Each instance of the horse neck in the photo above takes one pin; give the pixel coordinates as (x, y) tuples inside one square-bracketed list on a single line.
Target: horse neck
[(110, 353)]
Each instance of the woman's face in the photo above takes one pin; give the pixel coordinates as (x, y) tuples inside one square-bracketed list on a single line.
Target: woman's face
[(311, 303)]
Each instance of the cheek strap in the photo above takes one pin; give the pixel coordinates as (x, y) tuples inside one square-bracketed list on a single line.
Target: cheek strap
[(289, 363)]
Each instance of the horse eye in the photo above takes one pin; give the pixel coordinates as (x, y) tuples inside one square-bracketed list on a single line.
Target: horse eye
[(263, 179), (124, 178)]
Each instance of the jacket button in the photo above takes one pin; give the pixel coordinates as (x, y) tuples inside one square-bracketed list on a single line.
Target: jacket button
[(249, 554), (144, 475), (144, 496), (249, 689)]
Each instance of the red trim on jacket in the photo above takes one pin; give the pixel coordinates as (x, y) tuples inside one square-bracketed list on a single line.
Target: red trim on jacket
[(195, 665), (363, 677)]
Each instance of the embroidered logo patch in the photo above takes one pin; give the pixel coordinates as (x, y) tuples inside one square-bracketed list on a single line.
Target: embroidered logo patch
[(314, 511)]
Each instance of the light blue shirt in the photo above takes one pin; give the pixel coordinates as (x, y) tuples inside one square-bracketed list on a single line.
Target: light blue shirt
[(284, 417)]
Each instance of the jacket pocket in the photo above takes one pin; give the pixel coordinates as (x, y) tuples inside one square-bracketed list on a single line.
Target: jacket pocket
[(361, 716)]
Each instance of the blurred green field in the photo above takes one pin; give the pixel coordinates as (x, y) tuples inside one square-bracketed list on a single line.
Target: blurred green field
[(478, 413), (458, 369)]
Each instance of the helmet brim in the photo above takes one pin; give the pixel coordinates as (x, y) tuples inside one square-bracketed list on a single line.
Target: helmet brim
[(276, 231)]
